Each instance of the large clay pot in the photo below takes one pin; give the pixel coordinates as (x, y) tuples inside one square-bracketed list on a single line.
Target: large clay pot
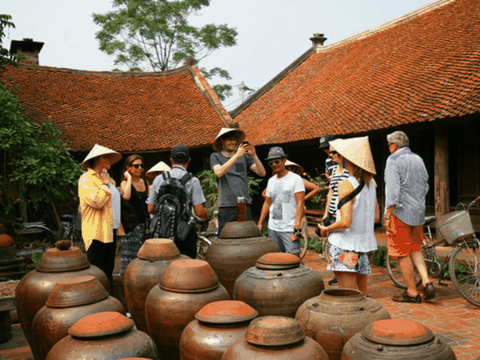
[(275, 338), (336, 315), (277, 285), (186, 287), (104, 336), (143, 273), (32, 291), (238, 247), (217, 326), (70, 300), (397, 339)]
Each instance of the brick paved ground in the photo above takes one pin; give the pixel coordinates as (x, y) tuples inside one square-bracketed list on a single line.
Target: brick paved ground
[(448, 315)]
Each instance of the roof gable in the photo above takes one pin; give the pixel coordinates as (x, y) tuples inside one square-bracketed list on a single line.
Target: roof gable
[(424, 66), (125, 111)]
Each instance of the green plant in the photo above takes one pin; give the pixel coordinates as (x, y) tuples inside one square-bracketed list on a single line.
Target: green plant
[(379, 257), (209, 184), (36, 257), (459, 269), (314, 243), (322, 183)]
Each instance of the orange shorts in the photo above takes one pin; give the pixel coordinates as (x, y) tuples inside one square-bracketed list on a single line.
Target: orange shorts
[(405, 238)]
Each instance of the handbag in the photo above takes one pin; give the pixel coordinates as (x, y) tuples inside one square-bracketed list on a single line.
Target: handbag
[(128, 216)]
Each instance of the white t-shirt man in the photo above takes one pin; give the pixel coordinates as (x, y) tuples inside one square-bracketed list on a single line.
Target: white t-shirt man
[(284, 206)]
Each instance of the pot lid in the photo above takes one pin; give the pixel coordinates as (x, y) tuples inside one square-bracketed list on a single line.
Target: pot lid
[(76, 291), (158, 249), (278, 261), (398, 332), (101, 324), (63, 259), (226, 312), (244, 229), (189, 276), (274, 331)]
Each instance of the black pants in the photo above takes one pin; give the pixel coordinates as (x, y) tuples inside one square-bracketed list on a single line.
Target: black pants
[(229, 213), (189, 246), (102, 255)]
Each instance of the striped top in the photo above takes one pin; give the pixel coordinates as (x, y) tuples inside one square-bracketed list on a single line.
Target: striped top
[(334, 181)]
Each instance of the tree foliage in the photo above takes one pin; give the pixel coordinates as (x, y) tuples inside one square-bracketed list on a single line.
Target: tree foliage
[(156, 35), (35, 164)]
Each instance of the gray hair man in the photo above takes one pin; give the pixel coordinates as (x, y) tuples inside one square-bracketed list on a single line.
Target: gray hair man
[(406, 186)]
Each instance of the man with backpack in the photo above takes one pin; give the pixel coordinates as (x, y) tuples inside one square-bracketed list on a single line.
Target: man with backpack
[(172, 196)]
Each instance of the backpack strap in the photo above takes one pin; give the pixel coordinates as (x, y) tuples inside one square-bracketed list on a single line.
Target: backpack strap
[(185, 178), (350, 196)]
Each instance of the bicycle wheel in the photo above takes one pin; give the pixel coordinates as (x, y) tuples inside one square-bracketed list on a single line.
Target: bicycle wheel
[(465, 271), (396, 275)]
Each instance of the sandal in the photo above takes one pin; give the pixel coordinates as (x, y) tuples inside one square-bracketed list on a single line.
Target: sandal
[(428, 292), (405, 297)]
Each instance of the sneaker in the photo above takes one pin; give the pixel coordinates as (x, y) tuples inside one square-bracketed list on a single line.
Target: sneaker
[(333, 282), (405, 297), (428, 292)]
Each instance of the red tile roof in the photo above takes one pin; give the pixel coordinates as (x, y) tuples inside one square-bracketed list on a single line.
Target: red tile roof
[(422, 67), (125, 111)]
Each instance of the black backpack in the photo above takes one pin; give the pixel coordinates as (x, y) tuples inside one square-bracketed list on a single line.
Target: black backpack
[(172, 213)]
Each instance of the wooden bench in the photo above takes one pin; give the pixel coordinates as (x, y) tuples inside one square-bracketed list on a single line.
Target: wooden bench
[(314, 217)]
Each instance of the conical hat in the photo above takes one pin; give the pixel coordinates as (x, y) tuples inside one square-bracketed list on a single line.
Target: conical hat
[(99, 150), (159, 167), (217, 144), (357, 151), (298, 168)]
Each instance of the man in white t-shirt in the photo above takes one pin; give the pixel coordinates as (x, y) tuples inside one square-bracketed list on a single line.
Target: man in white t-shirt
[(285, 200)]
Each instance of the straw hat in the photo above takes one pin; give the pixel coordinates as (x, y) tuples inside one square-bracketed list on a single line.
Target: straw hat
[(159, 167), (217, 144), (99, 150), (357, 151), (298, 168)]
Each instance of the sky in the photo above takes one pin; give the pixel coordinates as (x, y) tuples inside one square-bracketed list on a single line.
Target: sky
[(271, 33)]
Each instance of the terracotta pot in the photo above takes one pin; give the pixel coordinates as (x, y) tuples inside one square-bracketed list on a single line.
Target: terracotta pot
[(70, 300), (104, 336), (275, 337), (336, 315), (6, 240), (277, 285), (217, 326), (186, 287), (396, 339), (33, 290), (239, 246), (143, 273)]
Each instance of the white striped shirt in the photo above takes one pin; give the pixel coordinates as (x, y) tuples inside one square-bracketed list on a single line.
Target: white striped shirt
[(334, 181)]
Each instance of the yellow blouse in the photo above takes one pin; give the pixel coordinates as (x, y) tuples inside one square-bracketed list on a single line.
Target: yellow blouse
[(96, 209)]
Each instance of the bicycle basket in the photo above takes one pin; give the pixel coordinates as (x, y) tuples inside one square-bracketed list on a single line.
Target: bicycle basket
[(455, 226)]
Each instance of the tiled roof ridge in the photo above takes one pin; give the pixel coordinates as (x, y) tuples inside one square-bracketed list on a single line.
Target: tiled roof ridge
[(210, 94), (175, 71), (272, 82), (345, 41), (387, 25)]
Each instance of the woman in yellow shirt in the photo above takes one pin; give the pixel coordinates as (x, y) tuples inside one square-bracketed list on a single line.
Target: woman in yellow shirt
[(96, 208)]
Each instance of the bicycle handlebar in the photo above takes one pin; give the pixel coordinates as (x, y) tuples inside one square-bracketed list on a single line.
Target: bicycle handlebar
[(472, 203)]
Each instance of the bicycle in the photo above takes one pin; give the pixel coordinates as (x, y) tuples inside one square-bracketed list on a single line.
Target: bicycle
[(463, 262)]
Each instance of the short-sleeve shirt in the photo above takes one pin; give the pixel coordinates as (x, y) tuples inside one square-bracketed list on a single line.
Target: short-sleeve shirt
[(284, 205), (193, 188), (234, 183)]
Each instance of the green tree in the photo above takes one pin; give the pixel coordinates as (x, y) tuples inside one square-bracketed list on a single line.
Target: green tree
[(35, 164), (156, 35)]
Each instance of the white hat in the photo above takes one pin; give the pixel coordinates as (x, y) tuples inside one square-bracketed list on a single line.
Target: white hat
[(99, 150), (217, 144), (298, 168), (159, 167), (357, 151)]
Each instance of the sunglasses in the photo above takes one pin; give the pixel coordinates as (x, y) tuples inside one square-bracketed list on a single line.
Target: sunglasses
[(136, 166), (333, 153), (274, 162)]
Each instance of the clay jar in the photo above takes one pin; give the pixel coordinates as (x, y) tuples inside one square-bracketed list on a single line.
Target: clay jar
[(275, 338), (217, 326), (336, 315), (70, 300), (104, 336), (33, 290), (238, 247), (143, 273), (277, 285), (185, 287), (396, 339)]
